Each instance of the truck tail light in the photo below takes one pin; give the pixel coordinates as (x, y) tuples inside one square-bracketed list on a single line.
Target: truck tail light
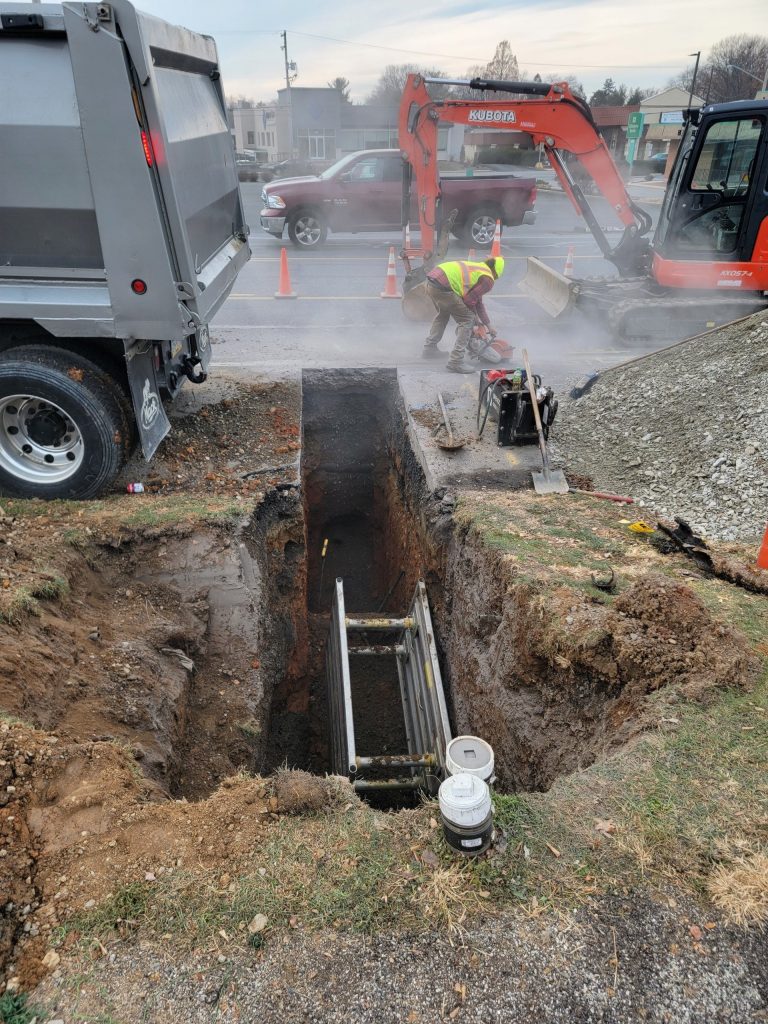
[(533, 195), (147, 148), (139, 286)]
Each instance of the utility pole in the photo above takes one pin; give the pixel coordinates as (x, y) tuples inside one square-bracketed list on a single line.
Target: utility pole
[(290, 75), (284, 48), (697, 55), (290, 66)]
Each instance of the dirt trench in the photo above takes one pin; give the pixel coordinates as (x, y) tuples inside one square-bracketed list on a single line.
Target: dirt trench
[(197, 647)]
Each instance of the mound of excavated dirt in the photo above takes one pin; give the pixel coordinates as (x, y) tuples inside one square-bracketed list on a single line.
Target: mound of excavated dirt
[(78, 821), (685, 430)]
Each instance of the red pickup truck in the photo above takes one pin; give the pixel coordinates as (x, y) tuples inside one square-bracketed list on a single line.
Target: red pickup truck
[(363, 192)]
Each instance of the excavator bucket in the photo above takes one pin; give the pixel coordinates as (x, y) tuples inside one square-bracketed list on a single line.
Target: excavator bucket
[(554, 292), (417, 305)]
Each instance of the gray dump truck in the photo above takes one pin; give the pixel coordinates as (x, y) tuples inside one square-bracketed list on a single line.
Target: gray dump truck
[(121, 234)]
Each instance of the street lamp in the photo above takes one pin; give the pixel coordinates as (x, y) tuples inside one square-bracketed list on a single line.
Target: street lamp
[(756, 78)]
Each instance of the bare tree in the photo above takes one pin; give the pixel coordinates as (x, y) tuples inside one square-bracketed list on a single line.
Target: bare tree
[(573, 82), (389, 88), (342, 86), (503, 66), (736, 66), (732, 71)]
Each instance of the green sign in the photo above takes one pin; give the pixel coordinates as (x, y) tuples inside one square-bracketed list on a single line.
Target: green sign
[(635, 125)]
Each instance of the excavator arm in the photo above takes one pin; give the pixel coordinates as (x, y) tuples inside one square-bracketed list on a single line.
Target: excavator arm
[(554, 117)]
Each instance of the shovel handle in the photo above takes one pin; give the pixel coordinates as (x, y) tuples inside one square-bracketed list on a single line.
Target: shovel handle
[(445, 417), (536, 416)]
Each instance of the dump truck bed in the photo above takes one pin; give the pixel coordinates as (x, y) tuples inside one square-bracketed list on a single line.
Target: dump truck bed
[(117, 166)]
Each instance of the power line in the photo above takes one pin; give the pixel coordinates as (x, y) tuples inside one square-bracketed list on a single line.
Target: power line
[(448, 56)]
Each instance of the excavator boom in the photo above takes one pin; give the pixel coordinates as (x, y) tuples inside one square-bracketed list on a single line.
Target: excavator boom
[(554, 118)]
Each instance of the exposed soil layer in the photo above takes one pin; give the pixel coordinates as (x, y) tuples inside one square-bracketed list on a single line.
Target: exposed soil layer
[(554, 680), (162, 645)]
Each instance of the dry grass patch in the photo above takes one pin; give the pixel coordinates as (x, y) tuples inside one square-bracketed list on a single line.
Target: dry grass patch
[(740, 889)]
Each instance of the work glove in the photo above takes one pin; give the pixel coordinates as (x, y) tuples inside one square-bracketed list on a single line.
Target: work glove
[(492, 333)]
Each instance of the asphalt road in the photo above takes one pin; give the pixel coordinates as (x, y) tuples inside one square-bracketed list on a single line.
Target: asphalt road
[(339, 318)]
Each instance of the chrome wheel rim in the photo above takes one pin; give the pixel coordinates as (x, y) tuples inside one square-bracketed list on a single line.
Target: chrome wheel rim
[(483, 229), (39, 441), (308, 230)]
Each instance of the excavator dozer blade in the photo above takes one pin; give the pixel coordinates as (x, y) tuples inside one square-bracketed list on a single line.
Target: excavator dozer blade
[(417, 304), (554, 292)]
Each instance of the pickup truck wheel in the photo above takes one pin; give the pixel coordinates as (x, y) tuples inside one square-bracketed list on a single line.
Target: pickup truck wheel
[(478, 228), (62, 425), (307, 229)]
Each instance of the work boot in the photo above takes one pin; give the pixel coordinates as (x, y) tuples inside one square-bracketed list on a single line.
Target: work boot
[(431, 352), (461, 367)]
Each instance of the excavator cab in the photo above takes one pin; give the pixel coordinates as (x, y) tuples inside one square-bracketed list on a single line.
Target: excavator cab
[(713, 225)]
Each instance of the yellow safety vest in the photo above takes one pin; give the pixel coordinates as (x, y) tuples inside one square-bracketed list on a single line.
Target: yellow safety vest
[(463, 275)]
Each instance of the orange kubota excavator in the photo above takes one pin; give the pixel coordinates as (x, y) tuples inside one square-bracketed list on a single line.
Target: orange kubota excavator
[(708, 260)]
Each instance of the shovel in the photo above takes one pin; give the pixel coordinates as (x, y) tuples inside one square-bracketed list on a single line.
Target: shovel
[(549, 481), (452, 443)]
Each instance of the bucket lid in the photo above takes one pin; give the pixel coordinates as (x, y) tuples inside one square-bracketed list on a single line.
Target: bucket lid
[(470, 754), (464, 799)]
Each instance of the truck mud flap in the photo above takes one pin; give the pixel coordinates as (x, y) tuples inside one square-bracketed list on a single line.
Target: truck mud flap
[(550, 290), (151, 420)]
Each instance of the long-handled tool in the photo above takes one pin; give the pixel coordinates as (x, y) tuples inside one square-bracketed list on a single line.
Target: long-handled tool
[(451, 443), (549, 481)]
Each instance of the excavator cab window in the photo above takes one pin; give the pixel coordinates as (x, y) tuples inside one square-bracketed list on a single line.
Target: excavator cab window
[(713, 185)]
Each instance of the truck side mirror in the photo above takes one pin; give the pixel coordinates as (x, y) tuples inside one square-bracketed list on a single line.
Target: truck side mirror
[(345, 177)]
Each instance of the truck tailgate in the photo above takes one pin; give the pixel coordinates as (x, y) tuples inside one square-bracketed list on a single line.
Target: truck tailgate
[(180, 91)]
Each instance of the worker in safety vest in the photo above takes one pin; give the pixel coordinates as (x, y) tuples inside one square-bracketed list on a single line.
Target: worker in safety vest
[(457, 289)]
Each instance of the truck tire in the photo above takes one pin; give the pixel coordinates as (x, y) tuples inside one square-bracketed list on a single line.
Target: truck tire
[(63, 429), (479, 226), (307, 229)]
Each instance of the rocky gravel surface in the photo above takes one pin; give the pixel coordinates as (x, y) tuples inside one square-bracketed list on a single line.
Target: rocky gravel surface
[(627, 960), (684, 430)]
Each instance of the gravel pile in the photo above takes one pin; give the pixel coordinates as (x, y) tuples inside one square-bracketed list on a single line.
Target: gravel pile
[(685, 431)]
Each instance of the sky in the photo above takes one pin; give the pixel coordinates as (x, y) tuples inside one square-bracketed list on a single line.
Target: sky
[(641, 43)]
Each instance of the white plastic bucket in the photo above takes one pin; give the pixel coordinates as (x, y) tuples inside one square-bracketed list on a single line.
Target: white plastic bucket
[(472, 755), (466, 812)]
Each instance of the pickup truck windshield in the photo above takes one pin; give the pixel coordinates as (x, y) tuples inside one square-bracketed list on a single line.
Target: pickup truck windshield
[(339, 166)]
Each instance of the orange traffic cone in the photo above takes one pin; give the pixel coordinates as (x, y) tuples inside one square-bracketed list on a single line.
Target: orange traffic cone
[(284, 288), (471, 255), (762, 557), (496, 247), (390, 287), (568, 272)]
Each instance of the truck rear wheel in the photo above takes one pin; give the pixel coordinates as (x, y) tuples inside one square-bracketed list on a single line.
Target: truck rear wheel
[(63, 429), (307, 229), (479, 226)]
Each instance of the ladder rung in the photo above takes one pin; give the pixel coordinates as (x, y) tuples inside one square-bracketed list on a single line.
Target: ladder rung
[(396, 761), (377, 622)]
